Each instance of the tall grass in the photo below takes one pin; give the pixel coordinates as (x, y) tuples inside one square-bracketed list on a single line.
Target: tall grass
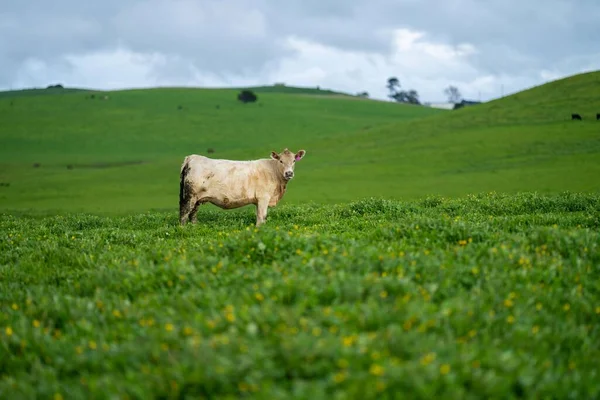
[(485, 296)]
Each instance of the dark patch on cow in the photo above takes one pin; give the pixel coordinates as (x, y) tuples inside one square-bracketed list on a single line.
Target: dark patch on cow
[(225, 200), (576, 117), (210, 175), (185, 193)]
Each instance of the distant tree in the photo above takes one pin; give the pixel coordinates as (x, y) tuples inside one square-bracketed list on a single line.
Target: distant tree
[(453, 94), (401, 96), (393, 85), (412, 97), (247, 96), (363, 94), (57, 86)]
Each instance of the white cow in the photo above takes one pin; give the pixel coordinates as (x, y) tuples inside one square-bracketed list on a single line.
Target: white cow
[(231, 184)]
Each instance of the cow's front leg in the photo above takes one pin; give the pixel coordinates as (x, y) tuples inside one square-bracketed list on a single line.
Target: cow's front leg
[(261, 211)]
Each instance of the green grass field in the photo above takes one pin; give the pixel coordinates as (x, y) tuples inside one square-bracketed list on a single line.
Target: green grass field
[(418, 253), (491, 296), (126, 151)]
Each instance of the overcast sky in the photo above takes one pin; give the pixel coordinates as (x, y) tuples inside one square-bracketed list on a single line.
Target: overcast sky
[(482, 47)]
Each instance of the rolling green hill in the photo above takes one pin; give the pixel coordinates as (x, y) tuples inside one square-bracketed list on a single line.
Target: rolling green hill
[(39, 92), (125, 152)]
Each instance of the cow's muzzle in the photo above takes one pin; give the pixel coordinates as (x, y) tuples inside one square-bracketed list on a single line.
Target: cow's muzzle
[(288, 175)]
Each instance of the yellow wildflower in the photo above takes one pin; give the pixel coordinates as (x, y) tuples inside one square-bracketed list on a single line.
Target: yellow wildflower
[(444, 369), (428, 358), (339, 377), (376, 370), (230, 317), (8, 331), (348, 341)]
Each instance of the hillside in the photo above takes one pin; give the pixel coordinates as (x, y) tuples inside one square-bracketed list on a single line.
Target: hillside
[(293, 90), (38, 92), (125, 152)]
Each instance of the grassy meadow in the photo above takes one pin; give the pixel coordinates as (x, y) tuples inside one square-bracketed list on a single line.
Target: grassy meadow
[(126, 151), (488, 296), (418, 253)]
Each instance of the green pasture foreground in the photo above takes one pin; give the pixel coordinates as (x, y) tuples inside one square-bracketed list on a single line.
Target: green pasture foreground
[(487, 296)]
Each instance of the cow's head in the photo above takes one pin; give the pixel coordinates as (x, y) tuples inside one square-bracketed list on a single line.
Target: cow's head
[(286, 160)]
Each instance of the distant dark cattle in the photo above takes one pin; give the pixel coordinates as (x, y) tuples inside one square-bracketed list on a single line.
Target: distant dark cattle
[(180, 107), (37, 165), (217, 106), (576, 117), (69, 166), (210, 150), (247, 96), (7, 184)]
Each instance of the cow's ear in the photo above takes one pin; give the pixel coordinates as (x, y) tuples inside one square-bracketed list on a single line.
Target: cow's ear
[(300, 154), (274, 156)]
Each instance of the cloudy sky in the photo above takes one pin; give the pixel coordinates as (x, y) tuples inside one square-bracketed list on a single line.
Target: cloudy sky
[(482, 47)]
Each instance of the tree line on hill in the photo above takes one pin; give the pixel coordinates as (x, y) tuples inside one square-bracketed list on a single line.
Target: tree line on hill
[(412, 96)]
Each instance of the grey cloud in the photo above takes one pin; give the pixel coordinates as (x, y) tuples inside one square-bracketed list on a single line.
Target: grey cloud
[(241, 37)]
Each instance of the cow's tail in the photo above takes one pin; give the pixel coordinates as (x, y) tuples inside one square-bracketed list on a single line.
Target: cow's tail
[(185, 168)]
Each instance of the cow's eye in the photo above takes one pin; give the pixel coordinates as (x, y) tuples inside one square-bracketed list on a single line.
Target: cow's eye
[(281, 161)]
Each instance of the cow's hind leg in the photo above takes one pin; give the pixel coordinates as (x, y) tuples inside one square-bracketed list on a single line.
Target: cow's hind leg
[(194, 211), (185, 194), (185, 208)]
